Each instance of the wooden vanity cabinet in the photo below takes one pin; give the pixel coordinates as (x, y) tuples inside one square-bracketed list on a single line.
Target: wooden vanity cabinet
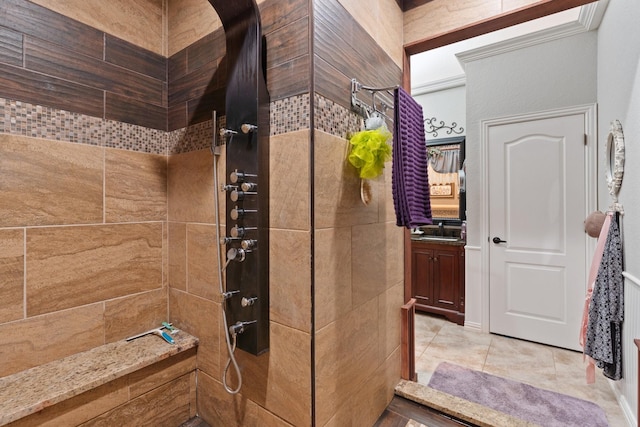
[(437, 278)]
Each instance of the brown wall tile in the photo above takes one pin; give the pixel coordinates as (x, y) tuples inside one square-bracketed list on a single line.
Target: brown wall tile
[(201, 318), (342, 369), (390, 322), (379, 264), (10, 47), (132, 57), (160, 373), (48, 182), (276, 14), (281, 378), (332, 262), (190, 177), (337, 195), (289, 188), (189, 21), (219, 408), (129, 110), (289, 385), (288, 42), (178, 255), (167, 405), (128, 316), (36, 88), (289, 78), (195, 84), (72, 266), (290, 278), (29, 18), (342, 43), (12, 274), (138, 21), (366, 404), (199, 109), (202, 261), (67, 66), (210, 48), (79, 409), (38, 340), (135, 186), (48, 58)]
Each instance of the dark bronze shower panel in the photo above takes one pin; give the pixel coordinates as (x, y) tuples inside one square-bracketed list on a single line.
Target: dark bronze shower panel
[(247, 182)]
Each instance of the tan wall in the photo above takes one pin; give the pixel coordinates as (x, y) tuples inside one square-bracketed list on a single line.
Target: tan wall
[(277, 384), (440, 16), (382, 19), (140, 22), (188, 21), (82, 246), (359, 290)]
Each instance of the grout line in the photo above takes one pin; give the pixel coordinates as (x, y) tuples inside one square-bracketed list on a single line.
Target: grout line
[(24, 273)]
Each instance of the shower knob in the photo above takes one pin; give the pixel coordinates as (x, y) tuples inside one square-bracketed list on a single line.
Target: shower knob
[(239, 195), (236, 254), (249, 186), (246, 302), (236, 212), (246, 128), (236, 195), (225, 240), (248, 244), (227, 132), (239, 232), (238, 176)]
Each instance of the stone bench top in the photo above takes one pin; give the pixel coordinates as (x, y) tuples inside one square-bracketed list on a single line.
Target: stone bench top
[(29, 391)]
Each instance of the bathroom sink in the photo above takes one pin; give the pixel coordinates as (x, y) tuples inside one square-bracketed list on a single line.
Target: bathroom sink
[(439, 238)]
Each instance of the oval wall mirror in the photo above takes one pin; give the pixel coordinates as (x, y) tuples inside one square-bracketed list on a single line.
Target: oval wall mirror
[(614, 162)]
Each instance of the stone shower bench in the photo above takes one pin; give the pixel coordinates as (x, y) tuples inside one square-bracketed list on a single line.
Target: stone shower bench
[(29, 391)]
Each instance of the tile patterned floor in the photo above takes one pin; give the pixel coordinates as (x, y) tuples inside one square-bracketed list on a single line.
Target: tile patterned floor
[(551, 368)]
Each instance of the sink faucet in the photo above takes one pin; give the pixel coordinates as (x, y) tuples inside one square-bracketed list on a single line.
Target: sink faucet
[(441, 229)]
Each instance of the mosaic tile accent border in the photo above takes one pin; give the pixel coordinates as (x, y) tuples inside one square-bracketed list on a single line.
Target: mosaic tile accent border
[(286, 115), (334, 119), (290, 114), (25, 119)]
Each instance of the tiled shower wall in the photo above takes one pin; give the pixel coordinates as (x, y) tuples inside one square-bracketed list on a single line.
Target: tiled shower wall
[(100, 193), (358, 250)]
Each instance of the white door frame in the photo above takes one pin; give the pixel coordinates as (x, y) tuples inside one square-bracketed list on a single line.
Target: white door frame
[(591, 185)]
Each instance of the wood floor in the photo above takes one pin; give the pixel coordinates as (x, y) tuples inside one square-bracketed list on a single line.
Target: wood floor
[(400, 411)]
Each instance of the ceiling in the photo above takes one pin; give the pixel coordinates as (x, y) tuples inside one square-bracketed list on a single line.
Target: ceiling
[(432, 69)]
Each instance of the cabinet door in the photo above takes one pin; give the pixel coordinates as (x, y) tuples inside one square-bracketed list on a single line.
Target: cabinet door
[(422, 285), (446, 280)]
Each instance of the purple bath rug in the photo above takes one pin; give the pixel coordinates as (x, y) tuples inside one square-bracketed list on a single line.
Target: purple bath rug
[(543, 407)]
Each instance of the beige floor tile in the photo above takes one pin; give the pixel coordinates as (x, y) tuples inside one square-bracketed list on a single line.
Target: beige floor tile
[(550, 368), (457, 345), (520, 360)]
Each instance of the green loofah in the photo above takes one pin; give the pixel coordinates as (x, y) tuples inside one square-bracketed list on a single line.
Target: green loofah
[(369, 151)]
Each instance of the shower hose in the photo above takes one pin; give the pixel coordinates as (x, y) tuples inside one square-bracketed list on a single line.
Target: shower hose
[(229, 337)]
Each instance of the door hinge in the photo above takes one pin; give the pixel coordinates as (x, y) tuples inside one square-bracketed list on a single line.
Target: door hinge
[(586, 139)]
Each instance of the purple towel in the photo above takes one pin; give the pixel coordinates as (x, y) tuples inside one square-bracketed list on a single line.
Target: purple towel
[(410, 182)]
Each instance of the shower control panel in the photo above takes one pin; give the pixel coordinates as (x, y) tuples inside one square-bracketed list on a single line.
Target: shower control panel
[(247, 237)]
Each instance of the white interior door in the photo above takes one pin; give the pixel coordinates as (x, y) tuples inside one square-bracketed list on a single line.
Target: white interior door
[(537, 204)]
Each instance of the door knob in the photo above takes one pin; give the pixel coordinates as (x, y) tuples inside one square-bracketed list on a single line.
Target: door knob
[(497, 240)]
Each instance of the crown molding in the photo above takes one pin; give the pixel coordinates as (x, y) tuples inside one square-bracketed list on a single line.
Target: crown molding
[(520, 42), (438, 85), (591, 14)]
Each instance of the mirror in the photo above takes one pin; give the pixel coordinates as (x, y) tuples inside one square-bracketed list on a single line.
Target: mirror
[(446, 179), (614, 155)]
